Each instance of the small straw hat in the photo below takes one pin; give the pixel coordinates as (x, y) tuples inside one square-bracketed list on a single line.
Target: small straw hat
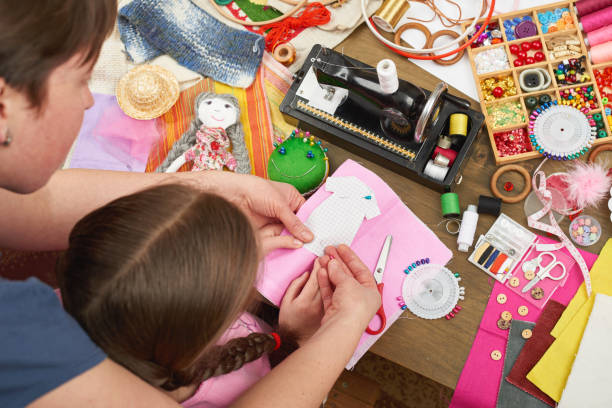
[(147, 92)]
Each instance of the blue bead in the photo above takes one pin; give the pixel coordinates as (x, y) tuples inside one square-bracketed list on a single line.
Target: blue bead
[(508, 24), (456, 274), (319, 143), (404, 307), (426, 260), (414, 265), (409, 267), (368, 197), (406, 271), (418, 263), (282, 150), (516, 20)]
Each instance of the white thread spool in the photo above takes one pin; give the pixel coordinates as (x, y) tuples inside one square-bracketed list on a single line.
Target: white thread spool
[(435, 172), (387, 76), (468, 228)]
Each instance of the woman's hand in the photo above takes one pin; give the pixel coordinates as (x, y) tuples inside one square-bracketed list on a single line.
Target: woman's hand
[(270, 238), (347, 286), (301, 309), (264, 201)]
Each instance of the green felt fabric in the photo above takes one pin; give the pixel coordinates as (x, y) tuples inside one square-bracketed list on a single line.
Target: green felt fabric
[(295, 168)]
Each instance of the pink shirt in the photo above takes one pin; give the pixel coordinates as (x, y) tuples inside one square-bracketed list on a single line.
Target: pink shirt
[(223, 390)]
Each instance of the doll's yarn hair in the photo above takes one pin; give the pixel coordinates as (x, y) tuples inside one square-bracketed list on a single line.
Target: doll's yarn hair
[(235, 133), (155, 278)]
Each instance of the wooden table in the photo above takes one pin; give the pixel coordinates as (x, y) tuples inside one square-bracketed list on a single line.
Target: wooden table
[(438, 349)]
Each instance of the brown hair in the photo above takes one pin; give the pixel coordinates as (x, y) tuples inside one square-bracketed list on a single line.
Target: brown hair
[(38, 36), (156, 277)]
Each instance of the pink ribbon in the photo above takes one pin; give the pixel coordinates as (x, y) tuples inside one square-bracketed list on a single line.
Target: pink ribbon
[(545, 197)]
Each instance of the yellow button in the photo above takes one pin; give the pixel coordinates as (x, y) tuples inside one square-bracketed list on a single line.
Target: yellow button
[(496, 355), (527, 334), (523, 311), (514, 281), (501, 298), (506, 315), (529, 275)]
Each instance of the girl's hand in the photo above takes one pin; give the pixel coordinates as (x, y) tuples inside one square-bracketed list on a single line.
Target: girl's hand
[(301, 309), (270, 238), (347, 286)]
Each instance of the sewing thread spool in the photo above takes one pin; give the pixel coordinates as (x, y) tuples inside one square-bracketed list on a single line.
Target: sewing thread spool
[(450, 205), (444, 142), (584, 7), (489, 205), (389, 14), (450, 154), (468, 228), (593, 21), (435, 172), (441, 160), (601, 53), (599, 36), (458, 124), (387, 76), (284, 53)]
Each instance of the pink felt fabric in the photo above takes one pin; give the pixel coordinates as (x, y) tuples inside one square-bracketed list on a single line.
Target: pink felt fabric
[(479, 381), (412, 240)]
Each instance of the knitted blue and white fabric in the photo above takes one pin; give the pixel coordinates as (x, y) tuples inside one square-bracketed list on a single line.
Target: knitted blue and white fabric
[(194, 38)]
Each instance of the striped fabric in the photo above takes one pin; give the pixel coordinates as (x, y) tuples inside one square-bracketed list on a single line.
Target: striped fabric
[(260, 117)]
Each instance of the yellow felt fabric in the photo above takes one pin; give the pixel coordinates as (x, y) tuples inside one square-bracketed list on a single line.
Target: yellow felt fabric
[(551, 372)]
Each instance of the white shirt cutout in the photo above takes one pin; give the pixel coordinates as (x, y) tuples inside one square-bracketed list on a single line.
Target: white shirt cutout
[(337, 219)]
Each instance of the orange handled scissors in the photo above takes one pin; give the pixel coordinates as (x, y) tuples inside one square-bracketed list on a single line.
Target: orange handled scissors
[(378, 277)]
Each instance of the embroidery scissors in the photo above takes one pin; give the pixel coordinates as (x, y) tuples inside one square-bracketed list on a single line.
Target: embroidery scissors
[(378, 277), (544, 270)]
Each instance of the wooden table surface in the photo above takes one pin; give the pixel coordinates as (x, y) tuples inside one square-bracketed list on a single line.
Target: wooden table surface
[(438, 349)]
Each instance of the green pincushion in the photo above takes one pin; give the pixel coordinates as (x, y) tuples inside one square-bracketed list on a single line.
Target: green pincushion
[(300, 161)]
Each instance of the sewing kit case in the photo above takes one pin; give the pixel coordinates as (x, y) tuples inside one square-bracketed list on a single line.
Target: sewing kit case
[(357, 130)]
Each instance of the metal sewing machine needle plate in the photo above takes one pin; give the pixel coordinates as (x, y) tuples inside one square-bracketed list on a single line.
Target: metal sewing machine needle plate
[(431, 291)]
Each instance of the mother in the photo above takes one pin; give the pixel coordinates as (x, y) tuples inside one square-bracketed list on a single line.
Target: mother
[(47, 51)]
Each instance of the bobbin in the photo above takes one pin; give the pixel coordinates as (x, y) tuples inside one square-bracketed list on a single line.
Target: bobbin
[(284, 53), (504, 169)]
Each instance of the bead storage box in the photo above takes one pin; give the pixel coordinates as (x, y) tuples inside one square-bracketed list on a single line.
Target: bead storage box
[(529, 58)]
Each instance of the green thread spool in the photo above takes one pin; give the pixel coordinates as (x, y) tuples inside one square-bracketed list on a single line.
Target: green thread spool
[(450, 205)]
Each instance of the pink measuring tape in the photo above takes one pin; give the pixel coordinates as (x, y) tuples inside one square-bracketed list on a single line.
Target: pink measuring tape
[(545, 197)]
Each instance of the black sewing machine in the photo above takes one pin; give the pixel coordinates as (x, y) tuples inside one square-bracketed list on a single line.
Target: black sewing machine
[(340, 99)]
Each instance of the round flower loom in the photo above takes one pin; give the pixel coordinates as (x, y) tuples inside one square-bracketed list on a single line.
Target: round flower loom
[(431, 291), (561, 131)]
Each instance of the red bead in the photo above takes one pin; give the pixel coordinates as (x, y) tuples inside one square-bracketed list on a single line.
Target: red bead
[(529, 60), (536, 45), (518, 62), (514, 49), (508, 186), (525, 46), (539, 56), (521, 54), (498, 92), (215, 145)]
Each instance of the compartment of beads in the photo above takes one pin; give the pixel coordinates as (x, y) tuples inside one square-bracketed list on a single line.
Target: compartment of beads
[(547, 60), (491, 35)]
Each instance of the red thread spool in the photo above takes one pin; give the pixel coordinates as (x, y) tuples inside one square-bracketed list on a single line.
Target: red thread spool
[(450, 154), (593, 21), (584, 7)]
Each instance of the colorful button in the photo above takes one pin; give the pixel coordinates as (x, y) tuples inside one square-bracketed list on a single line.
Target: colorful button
[(523, 310), (501, 298), (527, 334), (503, 324), (506, 315), (496, 355), (529, 275), (514, 282)]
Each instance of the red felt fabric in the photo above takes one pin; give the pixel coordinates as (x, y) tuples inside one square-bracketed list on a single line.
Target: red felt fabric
[(534, 349)]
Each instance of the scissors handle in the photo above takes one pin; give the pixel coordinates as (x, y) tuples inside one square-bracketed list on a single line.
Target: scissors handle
[(549, 268), (380, 313)]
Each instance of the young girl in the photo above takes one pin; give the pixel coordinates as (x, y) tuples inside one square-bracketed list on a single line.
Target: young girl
[(157, 278)]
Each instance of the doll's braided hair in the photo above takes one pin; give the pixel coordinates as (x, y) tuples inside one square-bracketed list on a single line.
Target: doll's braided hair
[(156, 277), (235, 133)]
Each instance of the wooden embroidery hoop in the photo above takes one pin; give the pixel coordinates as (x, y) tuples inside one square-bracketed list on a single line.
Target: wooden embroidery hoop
[(504, 169)]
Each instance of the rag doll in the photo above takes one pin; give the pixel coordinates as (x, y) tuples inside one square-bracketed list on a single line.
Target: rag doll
[(208, 138)]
